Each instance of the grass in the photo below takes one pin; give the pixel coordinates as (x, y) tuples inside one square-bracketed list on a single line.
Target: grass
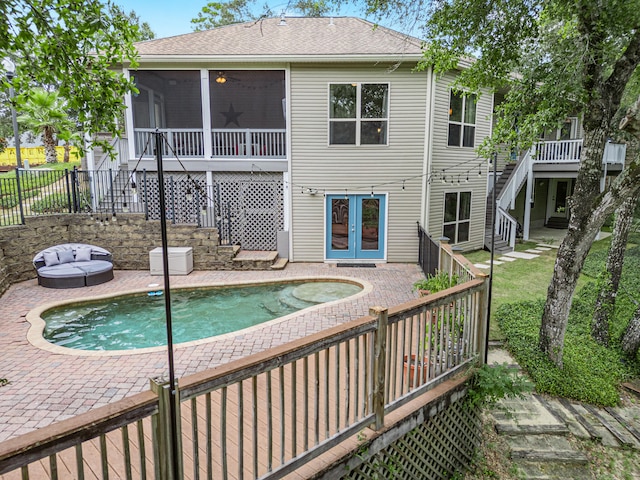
[(46, 166), (523, 280)]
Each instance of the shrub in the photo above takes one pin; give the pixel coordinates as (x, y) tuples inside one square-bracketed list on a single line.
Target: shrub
[(57, 202), (436, 283), (591, 372)]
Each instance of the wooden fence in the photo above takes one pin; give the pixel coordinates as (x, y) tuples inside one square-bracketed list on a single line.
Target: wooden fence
[(268, 414)]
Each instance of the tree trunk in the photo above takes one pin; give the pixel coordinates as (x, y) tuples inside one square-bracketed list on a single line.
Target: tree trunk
[(582, 231), (631, 338), (605, 303), (67, 150), (49, 146)]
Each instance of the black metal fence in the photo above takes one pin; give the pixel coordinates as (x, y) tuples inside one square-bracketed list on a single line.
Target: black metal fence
[(428, 252), (40, 192), (238, 207)]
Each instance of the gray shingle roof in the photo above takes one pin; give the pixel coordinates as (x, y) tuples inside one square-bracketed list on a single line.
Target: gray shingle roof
[(300, 37)]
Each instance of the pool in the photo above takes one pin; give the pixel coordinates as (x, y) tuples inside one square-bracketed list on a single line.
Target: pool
[(137, 321)]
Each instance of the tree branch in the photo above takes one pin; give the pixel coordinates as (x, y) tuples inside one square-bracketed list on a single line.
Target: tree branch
[(622, 70)]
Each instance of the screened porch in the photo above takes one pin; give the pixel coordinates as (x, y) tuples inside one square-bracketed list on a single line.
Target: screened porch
[(210, 114)]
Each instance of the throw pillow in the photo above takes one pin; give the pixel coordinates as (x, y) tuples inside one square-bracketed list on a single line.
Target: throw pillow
[(66, 256), (83, 254), (51, 258)]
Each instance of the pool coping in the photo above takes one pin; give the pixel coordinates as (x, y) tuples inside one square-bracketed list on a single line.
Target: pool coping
[(37, 324)]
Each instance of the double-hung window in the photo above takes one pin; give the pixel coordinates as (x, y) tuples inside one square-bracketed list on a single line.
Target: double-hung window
[(358, 113), (457, 216), (462, 120)]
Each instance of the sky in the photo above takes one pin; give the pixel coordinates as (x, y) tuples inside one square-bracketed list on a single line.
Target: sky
[(170, 17)]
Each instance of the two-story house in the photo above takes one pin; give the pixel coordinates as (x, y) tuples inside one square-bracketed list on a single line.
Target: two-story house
[(315, 136)]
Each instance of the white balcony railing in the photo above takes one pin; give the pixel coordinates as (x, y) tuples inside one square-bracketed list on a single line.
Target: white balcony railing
[(561, 151), (225, 143), (249, 143), (183, 142), (568, 151)]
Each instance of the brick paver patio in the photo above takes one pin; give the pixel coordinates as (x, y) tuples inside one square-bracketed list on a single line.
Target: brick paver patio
[(47, 387)]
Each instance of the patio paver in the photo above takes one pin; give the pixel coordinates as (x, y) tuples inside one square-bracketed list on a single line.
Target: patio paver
[(47, 387)]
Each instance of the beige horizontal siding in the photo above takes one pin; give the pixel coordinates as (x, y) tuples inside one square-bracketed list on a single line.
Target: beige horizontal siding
[(334, 169), (458, 163)]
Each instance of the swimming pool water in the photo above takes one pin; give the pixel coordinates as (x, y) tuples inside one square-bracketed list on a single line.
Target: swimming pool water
[(138, 321)]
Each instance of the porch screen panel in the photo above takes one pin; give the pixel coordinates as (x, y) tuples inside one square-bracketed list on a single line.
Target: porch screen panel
[(172, 102)]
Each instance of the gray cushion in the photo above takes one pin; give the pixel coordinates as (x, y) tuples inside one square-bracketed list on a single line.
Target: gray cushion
[(94, 266), (51, 258), (83, 254), (67, 270), (66, 256)]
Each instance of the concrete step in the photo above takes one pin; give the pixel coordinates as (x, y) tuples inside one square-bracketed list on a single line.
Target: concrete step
[(254, 260), (533, 470), (279, 264)]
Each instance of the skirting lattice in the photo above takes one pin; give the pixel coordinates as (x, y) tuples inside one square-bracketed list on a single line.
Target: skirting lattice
[(442, 445), (247, 208)]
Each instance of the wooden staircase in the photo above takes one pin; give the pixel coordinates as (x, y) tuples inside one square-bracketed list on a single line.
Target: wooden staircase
[(500, 246)]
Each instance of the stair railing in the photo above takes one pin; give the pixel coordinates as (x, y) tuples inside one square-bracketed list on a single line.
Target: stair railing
[(506, 227), (507, 197)]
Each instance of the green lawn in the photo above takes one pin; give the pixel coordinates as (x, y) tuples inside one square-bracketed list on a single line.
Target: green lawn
[(521, 280), (48, 166)]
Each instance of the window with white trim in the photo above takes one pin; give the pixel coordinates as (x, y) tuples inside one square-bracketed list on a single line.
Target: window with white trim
[(462, 120), (358, 113), (457, 216)]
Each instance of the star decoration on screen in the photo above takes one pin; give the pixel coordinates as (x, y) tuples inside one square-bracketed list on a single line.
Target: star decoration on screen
[(231, 115)]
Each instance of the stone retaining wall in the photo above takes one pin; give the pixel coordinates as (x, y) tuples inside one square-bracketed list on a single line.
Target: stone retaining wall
[(129, 237)]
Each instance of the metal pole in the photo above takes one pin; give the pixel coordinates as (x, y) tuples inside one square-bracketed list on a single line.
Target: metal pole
[(493, 242), (14, 120), (167, 306)]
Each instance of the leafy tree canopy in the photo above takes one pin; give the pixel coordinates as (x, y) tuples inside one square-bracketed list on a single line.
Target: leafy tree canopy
[(555, 56), (144, 29), (551, 58), (70, 45), (217, 14)]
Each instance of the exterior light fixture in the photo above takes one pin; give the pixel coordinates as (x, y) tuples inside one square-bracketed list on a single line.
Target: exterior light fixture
[(221, 78)]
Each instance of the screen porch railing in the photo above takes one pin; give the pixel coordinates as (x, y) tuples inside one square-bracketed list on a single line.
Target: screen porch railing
[(225, 143), (271, 413)]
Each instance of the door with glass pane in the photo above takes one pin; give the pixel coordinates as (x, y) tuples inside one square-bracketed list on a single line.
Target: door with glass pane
[(355, 226)]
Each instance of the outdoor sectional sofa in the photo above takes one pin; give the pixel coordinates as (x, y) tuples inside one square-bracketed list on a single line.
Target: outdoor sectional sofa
[(73, 265)]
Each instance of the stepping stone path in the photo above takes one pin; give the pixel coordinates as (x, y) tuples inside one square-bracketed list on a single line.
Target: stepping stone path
[(536, 428), (529, 254)]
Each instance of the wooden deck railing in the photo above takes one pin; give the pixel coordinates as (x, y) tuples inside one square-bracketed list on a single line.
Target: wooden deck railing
[(268, 414)]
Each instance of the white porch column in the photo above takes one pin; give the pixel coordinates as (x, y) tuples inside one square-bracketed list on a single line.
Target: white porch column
[(128, 122), (206, 113), (527, 205)]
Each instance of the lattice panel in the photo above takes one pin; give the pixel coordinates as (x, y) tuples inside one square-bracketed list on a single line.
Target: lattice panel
[(256, 206), (177, 188), (436, 449)]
